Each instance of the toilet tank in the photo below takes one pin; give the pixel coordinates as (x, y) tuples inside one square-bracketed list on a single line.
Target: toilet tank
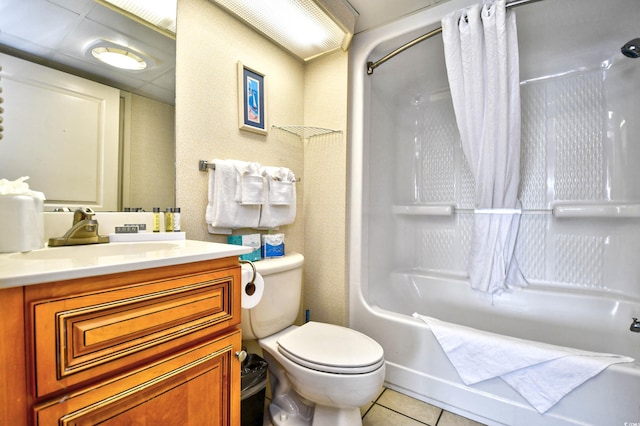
[(280, 303)]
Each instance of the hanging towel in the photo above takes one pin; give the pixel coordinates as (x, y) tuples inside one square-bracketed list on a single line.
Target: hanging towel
[(250, 188), (542, 374), (481, 55), (280, 207), (223, 212)]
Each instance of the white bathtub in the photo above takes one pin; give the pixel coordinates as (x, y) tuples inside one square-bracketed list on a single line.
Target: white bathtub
[(411, 211), (417, 367)]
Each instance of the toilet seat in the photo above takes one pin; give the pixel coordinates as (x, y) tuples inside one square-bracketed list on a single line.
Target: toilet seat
[(331, 349)]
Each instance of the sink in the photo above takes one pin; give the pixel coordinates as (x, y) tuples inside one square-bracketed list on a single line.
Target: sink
[(96, 250), (67, 262)]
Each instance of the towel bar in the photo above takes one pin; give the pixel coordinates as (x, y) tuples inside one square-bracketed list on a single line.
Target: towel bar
[(203, 165)]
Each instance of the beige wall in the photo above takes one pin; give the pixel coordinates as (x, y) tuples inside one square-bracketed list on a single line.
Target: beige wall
[(149, 163), (325, 105), (209, 44)]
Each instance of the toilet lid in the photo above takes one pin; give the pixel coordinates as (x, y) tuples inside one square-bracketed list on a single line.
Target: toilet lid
[(332, 349)]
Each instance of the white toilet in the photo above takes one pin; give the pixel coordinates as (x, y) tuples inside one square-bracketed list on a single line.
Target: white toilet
[(320, 374)]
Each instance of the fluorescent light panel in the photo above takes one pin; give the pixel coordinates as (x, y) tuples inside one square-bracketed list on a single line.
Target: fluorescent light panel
[(159, 13), (300, 26)]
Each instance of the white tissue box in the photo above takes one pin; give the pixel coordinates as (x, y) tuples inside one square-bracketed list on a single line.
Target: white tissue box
[(250, 240), (272, 245), (22, 222)]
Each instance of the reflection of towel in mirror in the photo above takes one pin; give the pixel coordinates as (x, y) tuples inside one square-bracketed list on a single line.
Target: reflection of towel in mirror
[(223, 211), (280, 206), (541, 373)]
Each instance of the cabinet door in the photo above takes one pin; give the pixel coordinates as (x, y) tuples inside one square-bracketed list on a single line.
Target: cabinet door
[(198, 386), (79, 338)]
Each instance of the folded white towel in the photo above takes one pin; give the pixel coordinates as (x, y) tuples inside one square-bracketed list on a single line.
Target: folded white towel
[(541, 373), (223, 211), (251, 188), (281, 193), (280, 206)]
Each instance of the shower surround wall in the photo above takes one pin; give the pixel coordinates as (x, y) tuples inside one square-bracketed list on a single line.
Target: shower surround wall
[(412, 208), (569, 157)]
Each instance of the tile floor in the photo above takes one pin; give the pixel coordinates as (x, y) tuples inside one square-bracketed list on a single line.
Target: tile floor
[(392, 408)]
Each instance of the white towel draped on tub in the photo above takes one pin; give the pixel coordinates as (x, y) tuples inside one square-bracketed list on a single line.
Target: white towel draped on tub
[(280, 207), (542, 374), (224, 209), (481, 54)]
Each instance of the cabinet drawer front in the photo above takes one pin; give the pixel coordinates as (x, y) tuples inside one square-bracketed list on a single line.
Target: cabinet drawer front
[(79, 337), (199, 386), (99, 332)]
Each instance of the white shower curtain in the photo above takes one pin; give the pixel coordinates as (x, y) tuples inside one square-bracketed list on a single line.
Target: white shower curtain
[(481, 53)]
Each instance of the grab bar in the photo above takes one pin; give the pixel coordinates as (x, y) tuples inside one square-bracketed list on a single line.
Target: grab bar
[(565, 210), (428, 210), (603, 210), (450, 209)]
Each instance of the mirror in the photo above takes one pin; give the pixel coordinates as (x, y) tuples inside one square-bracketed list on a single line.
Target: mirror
[(58, 34)]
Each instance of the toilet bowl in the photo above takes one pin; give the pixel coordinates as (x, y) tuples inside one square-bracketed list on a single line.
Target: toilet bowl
[(320, 374)]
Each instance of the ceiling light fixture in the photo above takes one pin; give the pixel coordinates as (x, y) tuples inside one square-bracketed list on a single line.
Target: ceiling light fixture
[(159, 14), (118, 56), (301, 26)]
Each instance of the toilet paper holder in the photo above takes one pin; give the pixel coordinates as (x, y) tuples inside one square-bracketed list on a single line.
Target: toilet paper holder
[(250, 289)]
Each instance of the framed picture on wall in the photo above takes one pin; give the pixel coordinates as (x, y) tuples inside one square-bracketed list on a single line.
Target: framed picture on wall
[(252, 111)]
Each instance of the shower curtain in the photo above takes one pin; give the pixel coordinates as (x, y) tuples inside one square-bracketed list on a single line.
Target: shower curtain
[(481, 53)]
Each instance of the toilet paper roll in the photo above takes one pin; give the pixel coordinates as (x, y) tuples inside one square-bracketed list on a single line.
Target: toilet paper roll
[(251, 292)]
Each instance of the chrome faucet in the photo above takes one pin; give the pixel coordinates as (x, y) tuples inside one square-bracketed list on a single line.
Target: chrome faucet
[(635, 326), (83, 231)]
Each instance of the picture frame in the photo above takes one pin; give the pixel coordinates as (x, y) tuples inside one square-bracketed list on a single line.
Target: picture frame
[(252, 97)]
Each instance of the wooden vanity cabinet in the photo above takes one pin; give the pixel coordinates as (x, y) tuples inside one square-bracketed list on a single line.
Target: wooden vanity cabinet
[(191, 387), (147, 347)]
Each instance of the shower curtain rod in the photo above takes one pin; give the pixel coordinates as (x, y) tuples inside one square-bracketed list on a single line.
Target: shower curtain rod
[(373, 65)]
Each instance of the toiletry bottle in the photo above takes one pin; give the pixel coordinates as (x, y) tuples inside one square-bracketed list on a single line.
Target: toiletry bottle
[(168, 219), (156, 219), (176, 219)]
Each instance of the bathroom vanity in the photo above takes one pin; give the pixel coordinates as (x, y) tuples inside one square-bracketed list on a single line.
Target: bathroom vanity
[(123, 333)]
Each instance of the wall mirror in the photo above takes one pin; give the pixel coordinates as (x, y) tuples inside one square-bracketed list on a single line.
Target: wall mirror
[(59, 34)]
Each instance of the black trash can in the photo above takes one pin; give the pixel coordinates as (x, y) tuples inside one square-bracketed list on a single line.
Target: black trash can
[(253, 384)]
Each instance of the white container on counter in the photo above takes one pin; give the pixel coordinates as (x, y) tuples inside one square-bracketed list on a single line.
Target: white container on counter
[(21, 223)]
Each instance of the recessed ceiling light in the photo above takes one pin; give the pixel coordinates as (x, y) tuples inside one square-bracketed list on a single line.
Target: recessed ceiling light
[(160, 14), (118, 56), (300, 26)]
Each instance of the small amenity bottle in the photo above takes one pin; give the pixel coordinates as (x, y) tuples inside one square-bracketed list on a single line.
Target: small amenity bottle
[(168, 220), (156, 219), (176, 219)]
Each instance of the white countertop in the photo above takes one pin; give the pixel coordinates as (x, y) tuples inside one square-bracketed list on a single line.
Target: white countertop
[(62, 263)]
